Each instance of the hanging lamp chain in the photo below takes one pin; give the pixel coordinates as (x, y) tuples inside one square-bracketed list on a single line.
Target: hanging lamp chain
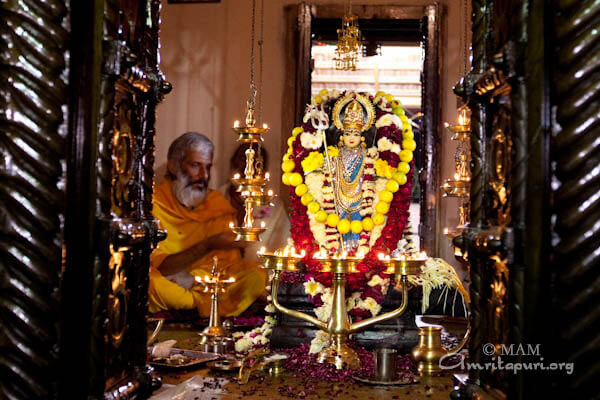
[(260, 59), (465, 45), (252, 85)]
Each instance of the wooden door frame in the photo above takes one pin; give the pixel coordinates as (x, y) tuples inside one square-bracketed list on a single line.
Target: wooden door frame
[(298, 81)]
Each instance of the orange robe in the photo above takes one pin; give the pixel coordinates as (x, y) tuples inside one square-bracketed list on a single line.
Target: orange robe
[(185, 228)]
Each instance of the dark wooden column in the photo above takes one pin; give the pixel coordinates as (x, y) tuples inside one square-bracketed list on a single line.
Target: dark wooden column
[(429, 175), (33, 147), (575, 153)]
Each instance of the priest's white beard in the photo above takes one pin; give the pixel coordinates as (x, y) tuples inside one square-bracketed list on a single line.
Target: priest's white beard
[(186, 193)]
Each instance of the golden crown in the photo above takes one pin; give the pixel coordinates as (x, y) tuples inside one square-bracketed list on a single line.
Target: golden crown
[(354, 116), (356, 106)]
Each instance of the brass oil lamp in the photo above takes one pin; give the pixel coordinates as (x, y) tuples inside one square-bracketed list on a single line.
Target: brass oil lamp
[(251, 185), (214, 285), (460, 185), (339, 326)]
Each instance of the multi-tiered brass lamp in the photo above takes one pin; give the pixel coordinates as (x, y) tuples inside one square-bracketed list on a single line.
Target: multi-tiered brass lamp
[(460, 185), (251, 185), (461, 182)]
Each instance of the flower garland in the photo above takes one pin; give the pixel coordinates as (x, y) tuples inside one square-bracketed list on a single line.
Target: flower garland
[(257, 337), (386, 191)]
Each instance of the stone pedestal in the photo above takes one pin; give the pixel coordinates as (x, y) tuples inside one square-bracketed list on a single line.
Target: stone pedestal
[(400, 333)]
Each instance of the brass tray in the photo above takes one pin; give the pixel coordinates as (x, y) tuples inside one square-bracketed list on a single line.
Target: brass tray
[(180, 358), (386, 383)]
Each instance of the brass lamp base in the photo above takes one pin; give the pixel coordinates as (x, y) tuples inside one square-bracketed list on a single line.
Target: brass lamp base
[(247, 234), (455, 188), (250, 134), (461, 132), (212, 332), (251, 185), (340, 355)]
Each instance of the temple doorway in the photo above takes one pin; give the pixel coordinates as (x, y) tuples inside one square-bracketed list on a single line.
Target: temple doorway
[(391, 66)]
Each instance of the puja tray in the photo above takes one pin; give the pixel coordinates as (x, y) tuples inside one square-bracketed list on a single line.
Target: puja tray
[(180, 358)]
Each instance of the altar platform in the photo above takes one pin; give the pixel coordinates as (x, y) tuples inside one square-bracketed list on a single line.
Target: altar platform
[(210, 384)]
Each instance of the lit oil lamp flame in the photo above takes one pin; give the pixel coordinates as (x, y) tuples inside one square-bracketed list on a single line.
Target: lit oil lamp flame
[(236, 176), (236, 124), (320, 255), (270, 192), (262, 250), (383, 257), (265, 126), (286, 251), (267, 176), (231, 224), (262, 224)]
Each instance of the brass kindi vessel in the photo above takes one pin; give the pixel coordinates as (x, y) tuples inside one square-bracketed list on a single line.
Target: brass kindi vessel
[(430, 350)]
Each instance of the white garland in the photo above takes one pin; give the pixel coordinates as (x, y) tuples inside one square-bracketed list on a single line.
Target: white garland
[(257, 337)]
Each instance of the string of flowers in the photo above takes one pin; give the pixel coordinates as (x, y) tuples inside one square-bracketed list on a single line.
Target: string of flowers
[(257, 337)]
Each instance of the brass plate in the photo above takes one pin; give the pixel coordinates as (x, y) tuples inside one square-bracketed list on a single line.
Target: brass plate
[(189, 358)]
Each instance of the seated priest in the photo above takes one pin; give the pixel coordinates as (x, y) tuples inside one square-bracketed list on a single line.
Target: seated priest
[(197, 223)]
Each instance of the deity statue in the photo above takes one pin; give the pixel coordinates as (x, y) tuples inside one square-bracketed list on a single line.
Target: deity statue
[(348, 169)]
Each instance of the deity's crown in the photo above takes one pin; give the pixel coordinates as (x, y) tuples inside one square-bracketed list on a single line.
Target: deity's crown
[(354, 116)]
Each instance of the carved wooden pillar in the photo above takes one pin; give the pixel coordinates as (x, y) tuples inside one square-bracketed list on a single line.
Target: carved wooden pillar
[(576, 192), (80, 85), (509, 237), (33, 132)]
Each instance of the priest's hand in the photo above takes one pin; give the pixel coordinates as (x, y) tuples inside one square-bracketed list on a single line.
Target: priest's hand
[(181, 261)]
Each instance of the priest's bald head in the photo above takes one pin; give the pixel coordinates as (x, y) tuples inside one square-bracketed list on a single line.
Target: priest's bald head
[(189, 162)]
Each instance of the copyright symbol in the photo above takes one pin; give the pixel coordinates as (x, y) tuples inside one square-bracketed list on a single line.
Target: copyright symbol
[(489, 349)]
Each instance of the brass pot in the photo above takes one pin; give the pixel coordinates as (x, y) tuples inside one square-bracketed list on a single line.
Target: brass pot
[(429, 351)]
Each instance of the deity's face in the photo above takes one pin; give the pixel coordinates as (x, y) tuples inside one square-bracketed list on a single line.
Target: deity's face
[(351, 137)]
